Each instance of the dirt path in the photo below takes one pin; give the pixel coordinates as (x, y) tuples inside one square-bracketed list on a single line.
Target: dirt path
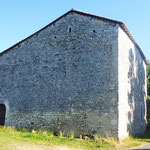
[(34, 146), (142, 147)]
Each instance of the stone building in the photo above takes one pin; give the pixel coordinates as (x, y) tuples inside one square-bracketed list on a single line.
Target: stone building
[(81, 73)]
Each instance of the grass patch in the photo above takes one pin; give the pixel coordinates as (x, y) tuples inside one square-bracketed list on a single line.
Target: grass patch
[(10, 136), (136, 141), (129, 142)]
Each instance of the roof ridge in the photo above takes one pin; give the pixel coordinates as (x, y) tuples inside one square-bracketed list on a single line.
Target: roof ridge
[(89, 14)]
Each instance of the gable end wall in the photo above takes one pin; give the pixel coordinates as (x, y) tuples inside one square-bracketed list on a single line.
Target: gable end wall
[(64, 78)]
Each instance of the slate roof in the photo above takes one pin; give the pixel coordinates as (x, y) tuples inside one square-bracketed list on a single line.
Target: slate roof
[(121, 24)]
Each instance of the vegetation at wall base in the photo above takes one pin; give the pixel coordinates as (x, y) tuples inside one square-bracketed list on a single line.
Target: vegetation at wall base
[(12, 138), (21, 139)]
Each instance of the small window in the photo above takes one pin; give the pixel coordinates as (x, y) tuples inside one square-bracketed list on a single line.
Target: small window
[(94, 31), (69, 30)]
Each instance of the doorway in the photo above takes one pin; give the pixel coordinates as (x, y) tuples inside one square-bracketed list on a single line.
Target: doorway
[(2, 114)]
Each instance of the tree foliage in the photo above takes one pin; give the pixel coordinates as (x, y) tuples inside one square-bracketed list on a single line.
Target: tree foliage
[(148, 94), (148, 80)]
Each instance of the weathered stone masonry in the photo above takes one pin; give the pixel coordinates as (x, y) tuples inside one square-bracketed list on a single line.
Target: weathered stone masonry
[(66, 78)]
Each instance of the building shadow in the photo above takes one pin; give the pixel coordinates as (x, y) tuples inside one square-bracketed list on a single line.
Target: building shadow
[(136, 94)]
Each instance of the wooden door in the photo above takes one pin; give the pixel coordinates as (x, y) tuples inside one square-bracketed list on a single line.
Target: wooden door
[(2, 114)]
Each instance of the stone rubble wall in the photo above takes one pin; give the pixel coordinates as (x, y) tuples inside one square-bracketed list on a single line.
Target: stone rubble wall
[(64, 78)]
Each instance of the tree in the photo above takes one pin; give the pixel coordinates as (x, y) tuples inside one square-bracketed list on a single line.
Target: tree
[(148, 94), (148, 80)]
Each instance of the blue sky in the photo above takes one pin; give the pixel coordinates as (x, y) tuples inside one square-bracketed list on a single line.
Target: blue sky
[(21, 18)]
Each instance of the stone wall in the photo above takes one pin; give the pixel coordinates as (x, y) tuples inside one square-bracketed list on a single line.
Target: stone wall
[(132, 88), (64, 78)]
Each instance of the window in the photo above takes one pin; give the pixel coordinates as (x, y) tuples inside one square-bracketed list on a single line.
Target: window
[(69, 30)]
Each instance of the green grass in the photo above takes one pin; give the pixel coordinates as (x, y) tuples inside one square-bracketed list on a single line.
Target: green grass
[(10, 136), (11, 139), (130, 142)]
